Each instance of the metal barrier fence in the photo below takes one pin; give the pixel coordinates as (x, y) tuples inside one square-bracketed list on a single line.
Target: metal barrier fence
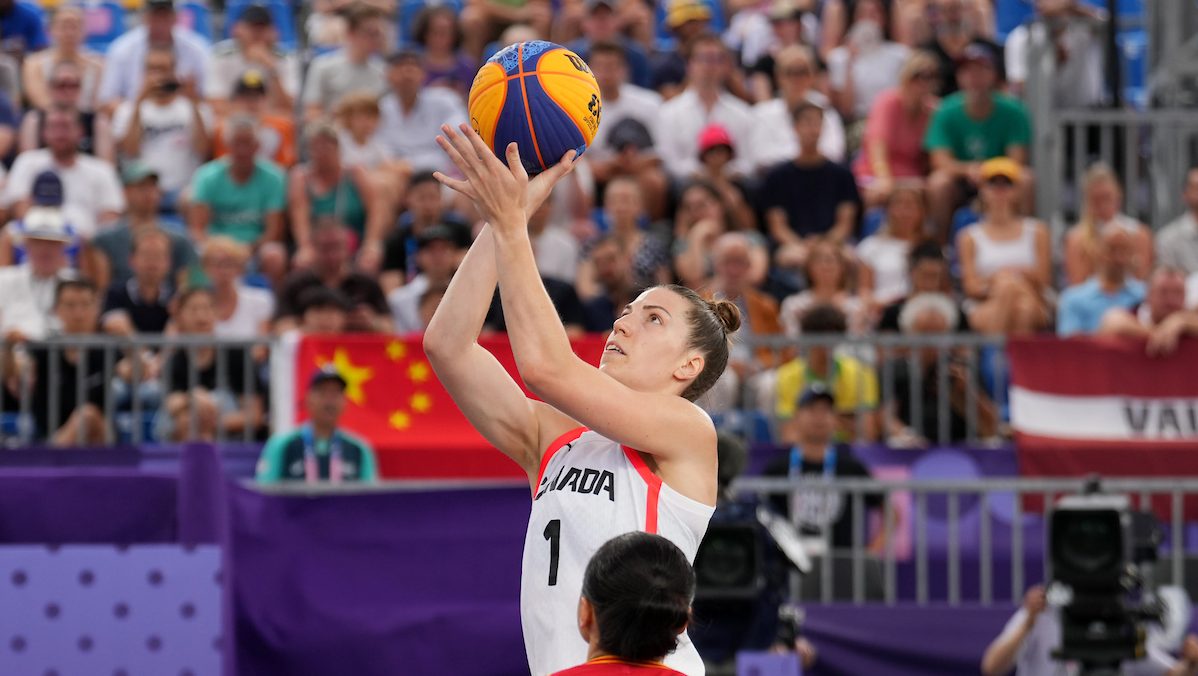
[(135, 389), (875, 577)]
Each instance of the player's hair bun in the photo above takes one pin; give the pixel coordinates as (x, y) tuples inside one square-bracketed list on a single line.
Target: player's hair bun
[(728, 315)]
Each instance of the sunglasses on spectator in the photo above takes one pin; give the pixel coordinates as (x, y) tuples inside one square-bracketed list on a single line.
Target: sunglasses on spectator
[(796, 72), (66, 84)]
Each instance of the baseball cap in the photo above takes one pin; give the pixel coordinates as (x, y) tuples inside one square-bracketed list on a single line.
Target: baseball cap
[(593, 5), (630, 132), (137, 171), (437, 233), (976, 52), (1001, 166), (257, 15), (784, 9), (251, 82), (816, 392), (326, 374), (152, 5), (46, 223), (713, 136), (47, 189), (683, 11)]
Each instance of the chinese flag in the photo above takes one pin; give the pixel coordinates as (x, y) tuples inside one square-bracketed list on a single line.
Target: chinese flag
[(396, 403)]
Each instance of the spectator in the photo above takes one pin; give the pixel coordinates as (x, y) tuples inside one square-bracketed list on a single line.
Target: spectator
[(357, 119), (1028, 641), (928, 272), (808, 197), (954, 31), (65, 87), (811, 432), (331, 267), (92, 197), (555, 248), (439, 254), (565, 301), (703, 216), (717, 152), (852, 383), (323, 311), (436, 30), (66, 47), (276, 131), (892, 145), (882, 274), (829, 276), (612, 154), (790, 24), (705, 100), (613, 283), (483, 20), (913, 417), (323, 187), (126, 57), (425, 209), (142, 303), (758, 311), (972, 126), (21, 28), (58, 370), (29, 289), (354, 67), (688, 21), (320, 450), (46, 211), (1075, 32), (412, 115), (1083, 305), (1101, 207), (1177, 242), (602, 25), (241, 196), (1006, 260), (113, 246), (220, 404), (165, 127), (253, 45), (1161, 319), (775, 139), (647, 248), (242, 311), (868, 63)]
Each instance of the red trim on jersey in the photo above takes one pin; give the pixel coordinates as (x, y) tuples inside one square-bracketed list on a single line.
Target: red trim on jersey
[(652, 481), (613, 666), (557, 445)]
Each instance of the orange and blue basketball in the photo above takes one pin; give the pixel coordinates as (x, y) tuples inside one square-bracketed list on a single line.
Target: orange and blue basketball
[(540, 95)]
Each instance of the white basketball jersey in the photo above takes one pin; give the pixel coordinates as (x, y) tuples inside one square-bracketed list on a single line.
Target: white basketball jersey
[(589, 490)]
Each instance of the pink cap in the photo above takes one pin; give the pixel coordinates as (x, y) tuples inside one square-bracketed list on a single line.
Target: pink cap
[(714, 135)]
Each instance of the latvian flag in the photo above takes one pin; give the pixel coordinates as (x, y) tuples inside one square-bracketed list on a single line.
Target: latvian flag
[(1099, 405)]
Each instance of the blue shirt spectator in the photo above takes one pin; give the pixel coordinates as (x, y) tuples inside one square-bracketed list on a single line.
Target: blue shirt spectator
[(1083, 305), (21, 27)]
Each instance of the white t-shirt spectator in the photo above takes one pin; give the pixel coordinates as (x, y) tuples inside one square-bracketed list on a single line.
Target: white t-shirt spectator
[(774, 137), (369, 155), (679, 121), (556, 252), (874, 71), (90, 187), (405, 305), (28, 304), (634, 102), (1078, 81), (229, 63), (254, 306), (886, 257), (411, 135), (332, 76), (124, 64), (166, 134)]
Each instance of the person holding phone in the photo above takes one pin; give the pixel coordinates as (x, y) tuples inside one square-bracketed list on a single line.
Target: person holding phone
[(166, 127)]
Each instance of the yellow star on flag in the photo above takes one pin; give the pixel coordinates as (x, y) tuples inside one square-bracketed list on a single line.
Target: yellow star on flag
[(355, 376), (396, 350), (400, 420), (421, 402), (418, 372)]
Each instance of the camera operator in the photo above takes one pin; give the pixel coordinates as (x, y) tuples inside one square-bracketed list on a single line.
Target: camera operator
[(1027, 642)]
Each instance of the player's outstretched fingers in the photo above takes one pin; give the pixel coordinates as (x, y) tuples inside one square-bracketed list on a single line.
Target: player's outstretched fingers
[(455, 184), (514, 164), (487, 159), (460, 152)]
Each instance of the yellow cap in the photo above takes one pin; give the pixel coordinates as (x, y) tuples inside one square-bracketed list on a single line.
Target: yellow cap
[(1001, 166), (682, 11)]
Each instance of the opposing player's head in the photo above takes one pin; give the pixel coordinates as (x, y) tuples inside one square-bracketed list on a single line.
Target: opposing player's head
[(636, 598), (670, 339)]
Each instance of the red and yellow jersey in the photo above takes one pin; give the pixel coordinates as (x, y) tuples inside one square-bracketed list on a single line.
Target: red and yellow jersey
[(613, 666)]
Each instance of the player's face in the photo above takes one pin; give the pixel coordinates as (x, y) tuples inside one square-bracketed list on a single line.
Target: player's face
[(647, 348)]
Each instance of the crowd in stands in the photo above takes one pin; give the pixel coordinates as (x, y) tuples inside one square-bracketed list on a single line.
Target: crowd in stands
[(834, 167)]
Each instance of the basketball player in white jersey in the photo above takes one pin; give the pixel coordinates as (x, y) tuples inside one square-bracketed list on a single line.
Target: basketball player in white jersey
[(607, 451)]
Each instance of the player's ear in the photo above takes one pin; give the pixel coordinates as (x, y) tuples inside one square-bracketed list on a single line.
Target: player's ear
[(586, 618), (691, 368)]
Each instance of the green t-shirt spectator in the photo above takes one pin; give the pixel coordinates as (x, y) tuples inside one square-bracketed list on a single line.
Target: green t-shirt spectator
[(239, 209), (971, 140), (283, 457)]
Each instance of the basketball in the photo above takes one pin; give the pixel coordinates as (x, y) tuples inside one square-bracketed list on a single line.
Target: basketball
[(540, 95)]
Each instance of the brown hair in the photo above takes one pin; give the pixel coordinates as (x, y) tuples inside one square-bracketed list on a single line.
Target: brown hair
[(357, 102), (359, 13), (424, 21), (712, 323)]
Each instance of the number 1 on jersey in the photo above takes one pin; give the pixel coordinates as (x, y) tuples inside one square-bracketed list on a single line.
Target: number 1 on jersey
[(553, 533)]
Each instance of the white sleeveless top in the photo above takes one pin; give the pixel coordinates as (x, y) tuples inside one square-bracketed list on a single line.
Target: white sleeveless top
[(993, 255), (589, 490)]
